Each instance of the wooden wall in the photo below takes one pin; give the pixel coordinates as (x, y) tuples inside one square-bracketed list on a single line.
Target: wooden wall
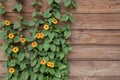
[(95, 39)]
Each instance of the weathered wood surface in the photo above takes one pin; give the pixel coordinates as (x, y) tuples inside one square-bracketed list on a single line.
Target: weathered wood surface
[(88, 68), (94, 78), (90, 78), (84, 6), (93, 37), (83, 21), (89, 52)]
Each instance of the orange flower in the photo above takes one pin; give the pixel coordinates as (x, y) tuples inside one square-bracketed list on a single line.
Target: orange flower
[(11, 70), (22, 40), (55, 21), (34, 44), (15, 49), (43, 62), (7, 22), (46, 27), (50, 64), (11, 36), (39, 35)]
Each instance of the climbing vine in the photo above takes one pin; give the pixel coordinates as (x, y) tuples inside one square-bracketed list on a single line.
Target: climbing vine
[(2, 8), (36, 49)]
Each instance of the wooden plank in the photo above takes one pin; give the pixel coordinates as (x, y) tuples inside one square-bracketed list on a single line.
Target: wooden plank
[(84, 6), (88, 52), (83, 21), (95, 52), (95, 37), (88, 68), (96, 21), (91, 78), (94, 78), (95, 68)]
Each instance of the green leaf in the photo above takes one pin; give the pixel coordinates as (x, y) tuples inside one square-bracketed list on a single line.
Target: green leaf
[(51, 71), (58, 1), (17, 7), (72, 18), (14, 78), (67, 34), (30, 47), (3, 34), (17, 39), (32, 23), (42, 69), (51, 35), (53, 47), (56, 41), (40, 77), (12, 63), (5, 46), (67, 3), (8, 52), (62, 41), (47, 14), (46, 47), (24, 75), (16, 25), (57, 15), (8, 75), (65, 17), (27, 54), (74, 3), (33, 76), (2, 11), (34, 3), (34, 14), (61, 55), (32, 56), (40, 47), (50, 2), (29, 38), (22, 66), (33, 62), (21, 56), (51, 55), (62, 66)]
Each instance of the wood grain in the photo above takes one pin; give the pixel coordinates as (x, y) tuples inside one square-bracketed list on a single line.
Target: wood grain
[(84, 6), (95, 68), (89, 52), (94, 78), (90, 78), (88, 68), (83, 21), (94, 52), (94, 37)]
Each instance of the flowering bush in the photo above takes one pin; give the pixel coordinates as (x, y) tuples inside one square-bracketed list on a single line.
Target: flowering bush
[(39, 54)]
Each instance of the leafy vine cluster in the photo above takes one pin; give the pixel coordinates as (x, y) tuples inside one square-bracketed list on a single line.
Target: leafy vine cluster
[(36, 49)]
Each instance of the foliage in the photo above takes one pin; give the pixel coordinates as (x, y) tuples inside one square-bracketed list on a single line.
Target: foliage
[(39, 54), (2, 9)]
